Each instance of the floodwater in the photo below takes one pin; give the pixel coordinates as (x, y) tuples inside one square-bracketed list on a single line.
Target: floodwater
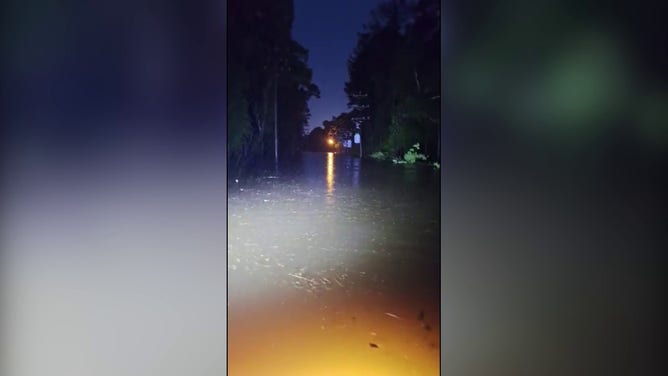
[(333, 269)]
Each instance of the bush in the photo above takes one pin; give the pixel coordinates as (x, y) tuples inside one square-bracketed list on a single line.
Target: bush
[(378, 155), (412, 155)]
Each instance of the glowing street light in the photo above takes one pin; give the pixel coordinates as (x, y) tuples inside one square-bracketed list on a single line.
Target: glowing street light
[(330, 141)]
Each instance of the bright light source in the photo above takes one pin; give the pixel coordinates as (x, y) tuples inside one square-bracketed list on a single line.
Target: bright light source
[(331, 141)]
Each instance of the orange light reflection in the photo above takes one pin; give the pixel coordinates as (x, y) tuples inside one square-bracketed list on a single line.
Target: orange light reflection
[(330, 175), (294, 336)]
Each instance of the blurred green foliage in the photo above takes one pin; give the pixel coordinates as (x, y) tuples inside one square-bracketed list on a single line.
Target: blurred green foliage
[(559, 73)]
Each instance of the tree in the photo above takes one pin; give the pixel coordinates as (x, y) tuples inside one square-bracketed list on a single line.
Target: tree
[(341, 127), (315, 140), (296, 89), (267, 73), (394, 77)]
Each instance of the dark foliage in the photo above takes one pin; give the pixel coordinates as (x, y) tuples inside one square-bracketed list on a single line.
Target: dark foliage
[(268, 77), (394, 78)]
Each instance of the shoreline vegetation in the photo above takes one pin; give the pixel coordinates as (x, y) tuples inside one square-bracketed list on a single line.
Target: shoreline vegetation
[(410, 157)]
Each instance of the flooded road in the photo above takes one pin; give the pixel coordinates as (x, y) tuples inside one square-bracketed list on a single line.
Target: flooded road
[(333, 269)]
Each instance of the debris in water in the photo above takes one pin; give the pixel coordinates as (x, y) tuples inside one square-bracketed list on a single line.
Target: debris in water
[(300, 277), (373, 345), (393, 315)]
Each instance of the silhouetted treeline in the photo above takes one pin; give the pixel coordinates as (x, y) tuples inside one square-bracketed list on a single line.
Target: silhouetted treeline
[(316, 140), (267, 72), (341, 127), (394, 78)]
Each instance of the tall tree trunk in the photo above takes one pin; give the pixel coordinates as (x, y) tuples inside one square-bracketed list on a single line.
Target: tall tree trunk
[(276, 122)]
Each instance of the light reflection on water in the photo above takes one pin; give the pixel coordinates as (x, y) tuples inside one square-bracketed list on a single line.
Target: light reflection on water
[(356, 172), (330, 178), (335, 271), (352, 336)]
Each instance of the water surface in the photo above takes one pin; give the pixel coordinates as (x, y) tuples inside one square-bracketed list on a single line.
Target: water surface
[(333, 269)]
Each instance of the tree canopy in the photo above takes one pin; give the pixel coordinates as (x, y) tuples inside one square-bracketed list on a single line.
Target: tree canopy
[(394, 78), (268, 72)]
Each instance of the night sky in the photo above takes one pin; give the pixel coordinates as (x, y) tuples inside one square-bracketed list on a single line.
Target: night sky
[(329, 31)]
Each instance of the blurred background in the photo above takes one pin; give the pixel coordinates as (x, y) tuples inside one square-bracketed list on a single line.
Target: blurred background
[(113, 194), (555, 134)]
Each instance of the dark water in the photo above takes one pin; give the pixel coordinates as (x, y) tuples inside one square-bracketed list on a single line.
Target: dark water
[(335, 262)]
